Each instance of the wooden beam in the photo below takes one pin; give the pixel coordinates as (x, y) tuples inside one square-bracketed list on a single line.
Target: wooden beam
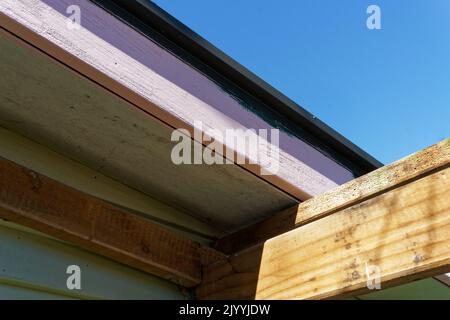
[(350, 193), (38, 202), (402, 231)]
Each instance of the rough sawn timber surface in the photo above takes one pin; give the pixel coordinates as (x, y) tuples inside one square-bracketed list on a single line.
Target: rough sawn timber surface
[(360, 189), (403, 230)]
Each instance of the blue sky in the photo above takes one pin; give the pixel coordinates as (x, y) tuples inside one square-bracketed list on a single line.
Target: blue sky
[(386, 90)]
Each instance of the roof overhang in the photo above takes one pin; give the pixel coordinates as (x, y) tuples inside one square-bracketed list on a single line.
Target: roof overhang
[(111, 93)]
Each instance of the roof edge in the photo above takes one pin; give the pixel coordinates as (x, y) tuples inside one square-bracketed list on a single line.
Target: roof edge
[(178, 33)]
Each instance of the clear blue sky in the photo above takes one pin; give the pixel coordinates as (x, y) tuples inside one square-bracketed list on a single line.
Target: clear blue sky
[(386, 90)]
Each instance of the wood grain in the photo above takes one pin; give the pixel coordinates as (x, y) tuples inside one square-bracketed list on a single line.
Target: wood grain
[(38, 202), (405, 232), (358, 190)]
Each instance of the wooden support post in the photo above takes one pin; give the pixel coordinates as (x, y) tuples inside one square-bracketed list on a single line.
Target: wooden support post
[(38, 202), (399, 227)]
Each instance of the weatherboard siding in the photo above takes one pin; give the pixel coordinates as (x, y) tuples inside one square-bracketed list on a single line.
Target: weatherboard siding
[(41, 159), (33, 265)]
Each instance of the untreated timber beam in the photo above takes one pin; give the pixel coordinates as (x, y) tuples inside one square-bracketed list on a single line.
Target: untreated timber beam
[(38, 202), (358, 190), (401, 230)]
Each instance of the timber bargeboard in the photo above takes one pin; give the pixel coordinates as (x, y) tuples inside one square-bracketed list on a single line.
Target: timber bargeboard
[(111, 53), (75, 117)]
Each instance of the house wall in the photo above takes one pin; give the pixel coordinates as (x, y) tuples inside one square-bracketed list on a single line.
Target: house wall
[(33, 265), (41, 159)]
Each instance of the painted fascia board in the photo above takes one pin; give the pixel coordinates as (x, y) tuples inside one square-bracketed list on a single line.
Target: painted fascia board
[(186, 39), (124, 67)]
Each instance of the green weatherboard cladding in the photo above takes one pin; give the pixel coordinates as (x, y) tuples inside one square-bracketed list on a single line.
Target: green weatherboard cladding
[(33, 266)]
